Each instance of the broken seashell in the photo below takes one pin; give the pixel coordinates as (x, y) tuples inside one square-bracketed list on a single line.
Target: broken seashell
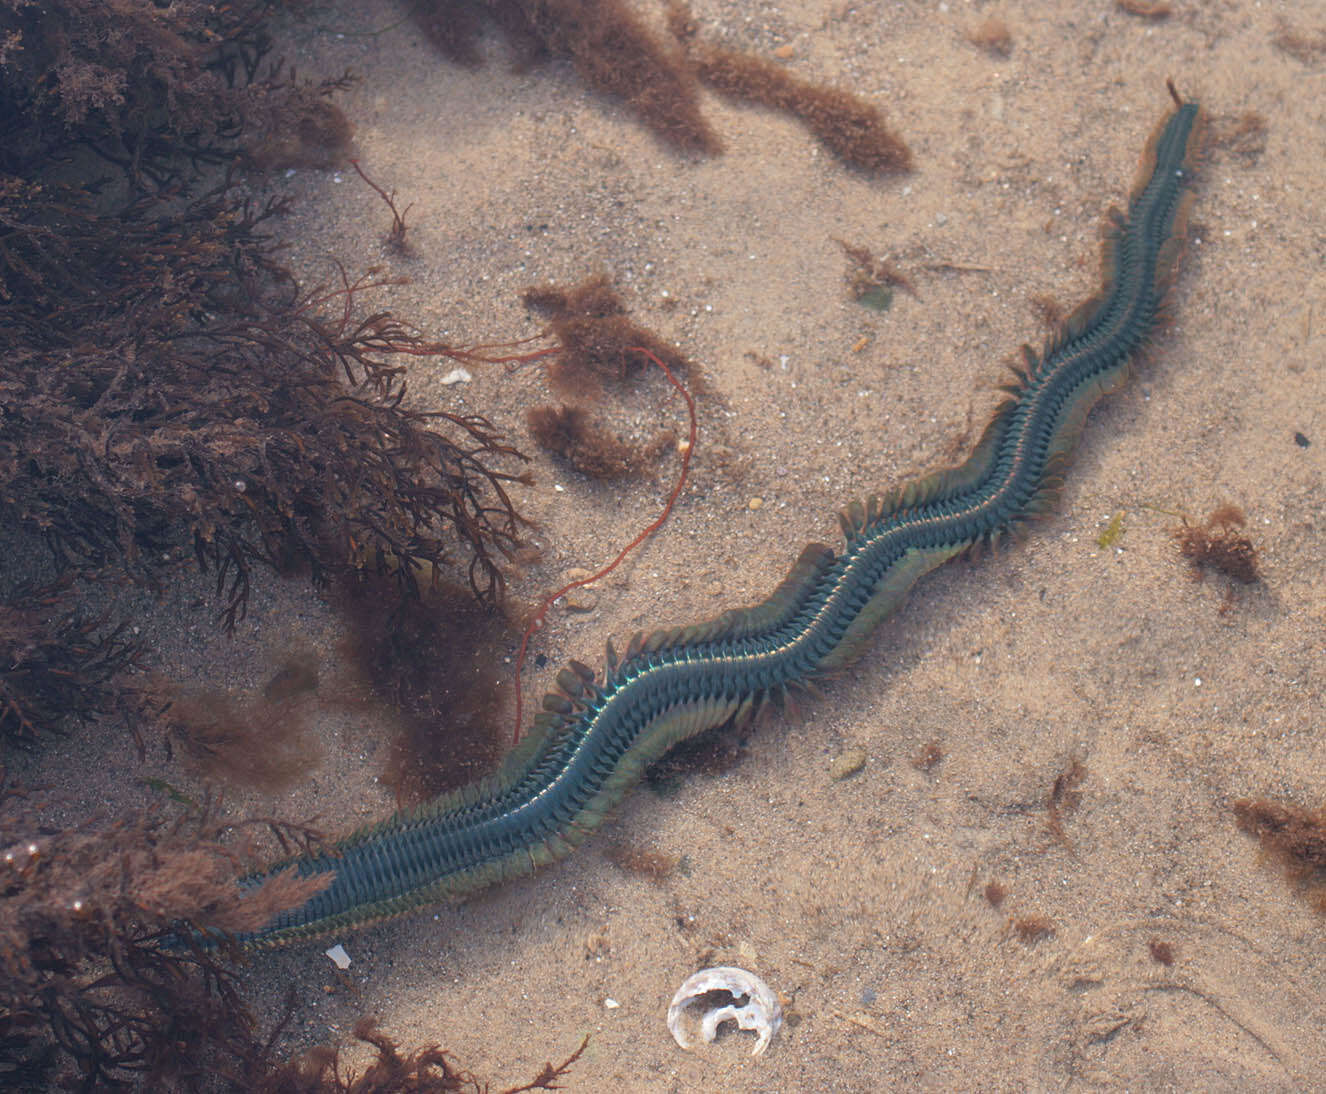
[(753, 1006)]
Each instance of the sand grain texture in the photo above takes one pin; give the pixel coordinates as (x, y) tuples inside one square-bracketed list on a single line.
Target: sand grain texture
[(861, 900)]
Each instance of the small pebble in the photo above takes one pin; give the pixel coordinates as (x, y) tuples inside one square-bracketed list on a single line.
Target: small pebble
[(785, 52), (582, 598), (339, 957), (611, 1003), (456, 376), (755, 503), (847, 763)]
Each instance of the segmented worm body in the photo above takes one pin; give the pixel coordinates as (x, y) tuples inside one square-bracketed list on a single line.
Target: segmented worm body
[(598, 733)]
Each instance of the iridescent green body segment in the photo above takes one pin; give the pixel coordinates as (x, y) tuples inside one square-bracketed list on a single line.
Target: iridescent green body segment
[(598, 734)]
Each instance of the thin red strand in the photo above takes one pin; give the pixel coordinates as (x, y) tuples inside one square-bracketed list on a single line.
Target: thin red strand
[(648, 531)]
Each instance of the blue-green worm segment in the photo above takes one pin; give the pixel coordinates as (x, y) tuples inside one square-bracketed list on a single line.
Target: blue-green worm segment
[(598, 733)]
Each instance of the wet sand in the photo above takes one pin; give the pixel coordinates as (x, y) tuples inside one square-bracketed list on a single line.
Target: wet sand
[(862, 901)]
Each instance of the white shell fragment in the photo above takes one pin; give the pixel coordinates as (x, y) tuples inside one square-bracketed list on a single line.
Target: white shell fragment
[(753, 1006), (339, 957)]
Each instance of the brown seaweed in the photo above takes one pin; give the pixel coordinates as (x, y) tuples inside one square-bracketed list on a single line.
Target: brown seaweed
[(615, 53), (851, 128), (255, 740), (170, 389), (1031, 929), (1218, 544), (396, 233), (599, 342), (1294, 837), (609, 46), (1064, 798), (429, 1070), (156, 91), (58, 664), (434, 660), (269, 432), (83, 983), (585, 443)]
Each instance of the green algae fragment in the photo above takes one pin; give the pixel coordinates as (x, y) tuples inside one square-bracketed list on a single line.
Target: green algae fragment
[(877, 297), (163, 787), (1112, 532)]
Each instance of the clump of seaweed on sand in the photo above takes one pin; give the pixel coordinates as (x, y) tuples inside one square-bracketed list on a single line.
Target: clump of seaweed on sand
[(853, 129), (58, 663), (615, 53), (428, 1070), (84, 989), (586, 444), (1219, 544), (434, 661), (171, 392), (157, 91), (192, 390), (993, 36), (599, 345), (1294, 837), (611, 49), (395, 239), (598, 341)]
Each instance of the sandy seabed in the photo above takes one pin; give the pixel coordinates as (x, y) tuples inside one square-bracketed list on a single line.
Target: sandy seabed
[(862, 900)]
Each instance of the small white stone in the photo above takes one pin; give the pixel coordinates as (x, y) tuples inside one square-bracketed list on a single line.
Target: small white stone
[(457, 376), (611, 1003), (339, 957)]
